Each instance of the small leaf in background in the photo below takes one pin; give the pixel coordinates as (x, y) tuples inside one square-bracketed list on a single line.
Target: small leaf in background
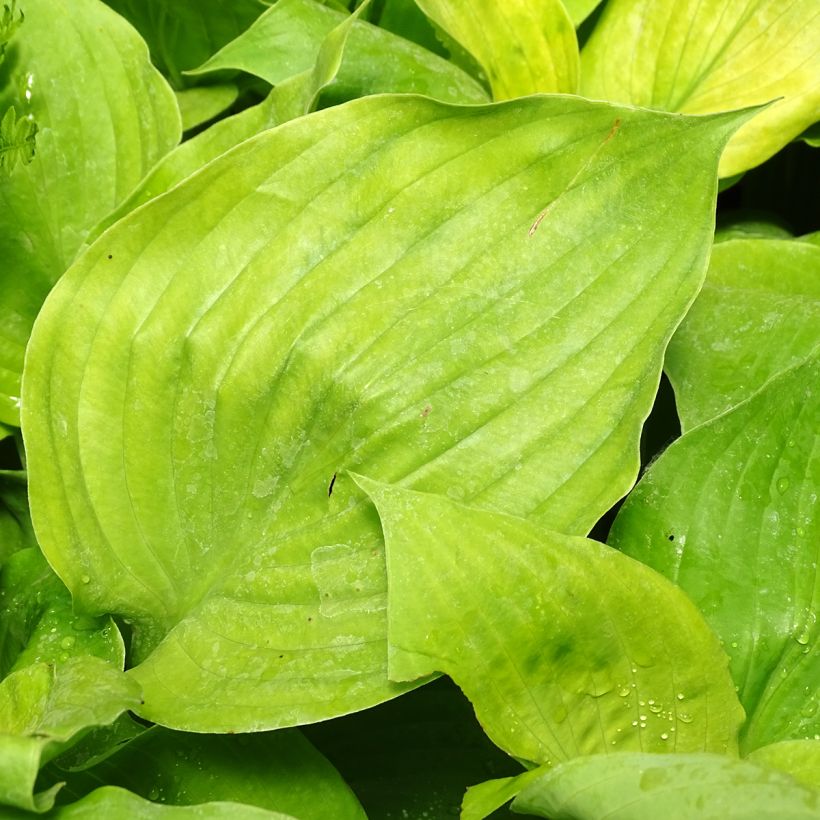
[(16, 532), (286, 40), (198, 106), (700, 56), (44, 707), (105, 116), (684, 787), (729, 513), (524, 48), (279, 771), (10, 20), (758, 314), (17, 140), (445, 297), (799, 758), (182, 34), (563, 646)]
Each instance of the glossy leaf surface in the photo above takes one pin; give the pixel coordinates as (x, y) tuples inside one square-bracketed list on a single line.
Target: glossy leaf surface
[(684, 787), (105, 116), (582, 650), (729, 512), (758, 314), (699, 56), (411, 290), (524, 48)]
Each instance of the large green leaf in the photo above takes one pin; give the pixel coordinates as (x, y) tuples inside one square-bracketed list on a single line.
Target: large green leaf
[(182, 34), (728, 512), (678, 787), (420, 292), (523, 47), (758, 314), (698, 56), (582, 651), (279, 771), (286, 39), (43, 707), (105, 116)]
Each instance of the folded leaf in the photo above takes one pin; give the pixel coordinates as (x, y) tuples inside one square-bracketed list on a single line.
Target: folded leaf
[(524, 48), (683, 787), (286, 39), (44, 706), (758, 314), (564, 646), (424, 293), (699, 56), (16, 532), (728, 512), (105, 116), (579, 10)]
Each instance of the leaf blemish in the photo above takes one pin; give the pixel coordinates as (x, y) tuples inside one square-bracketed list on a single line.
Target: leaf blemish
[(426, 412), (330, 488)]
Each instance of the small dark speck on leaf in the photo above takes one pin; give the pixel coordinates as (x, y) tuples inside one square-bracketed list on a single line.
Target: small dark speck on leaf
[(309, 619), (671, 537), (330, 488), (110, 255), (426, 412)]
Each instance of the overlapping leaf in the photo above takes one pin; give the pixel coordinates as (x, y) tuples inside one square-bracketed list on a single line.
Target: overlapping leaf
[(286, 39), (182, 34), (729, 512), (582, 651), (105, 116), (758, 314), (798, 758), (698, 56), (470, 300), (686, 787), (524, 48)]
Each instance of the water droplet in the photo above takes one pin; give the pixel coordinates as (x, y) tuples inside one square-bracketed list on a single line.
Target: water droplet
[(623, 691), (153, 794), (86, 579), (634, 722), (655, 708), (782, 484), (809, 709), (664, 736), (684, 717), (67, 642)]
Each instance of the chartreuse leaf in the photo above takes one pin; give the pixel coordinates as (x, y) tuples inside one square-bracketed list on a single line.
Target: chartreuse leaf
[(286, 39), (44, 707), (728, 512), (184, 33), (278, 771), (202, 104), (799, 758), (445, 296), (699, 56), (17, 140), (637, 786), (523, 47), (105, 117), (758, 314), (581, 651), (114, 803)]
